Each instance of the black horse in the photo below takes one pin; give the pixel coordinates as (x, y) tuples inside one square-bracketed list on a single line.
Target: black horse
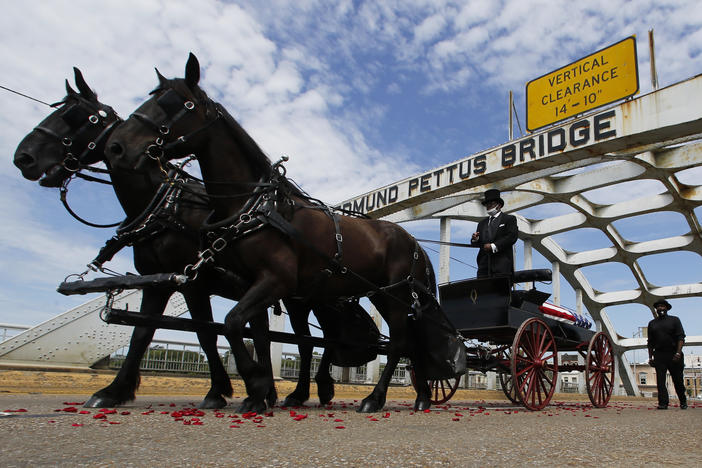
[(72, 138), (266, 230)]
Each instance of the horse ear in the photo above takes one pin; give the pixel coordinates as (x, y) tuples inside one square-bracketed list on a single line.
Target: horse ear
[(161, 79), (192, 71), (70, 91), (83, 87)]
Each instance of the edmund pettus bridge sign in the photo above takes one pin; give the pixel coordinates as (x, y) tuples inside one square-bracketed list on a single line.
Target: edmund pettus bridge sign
[(594, 81), (667, 114)]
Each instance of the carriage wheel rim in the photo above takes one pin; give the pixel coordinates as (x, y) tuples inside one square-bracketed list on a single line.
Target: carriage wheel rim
[(534, 364), (507, 380), (599, 371)]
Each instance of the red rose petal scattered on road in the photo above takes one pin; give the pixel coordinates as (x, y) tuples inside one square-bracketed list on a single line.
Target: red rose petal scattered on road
[(70, 409), (100, 416), (338, 420), (456, 419), (75, 403), (340, 427), (76, 425), (234, 426), (124, 413), (114, 422)]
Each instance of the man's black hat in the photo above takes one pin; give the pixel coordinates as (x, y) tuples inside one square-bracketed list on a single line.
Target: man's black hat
[(493, 195), (664, 303)]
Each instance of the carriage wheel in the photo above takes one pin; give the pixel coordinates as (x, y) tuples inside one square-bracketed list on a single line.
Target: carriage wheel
[(441, 390), (507, 381), (599, 370), (534, 364)]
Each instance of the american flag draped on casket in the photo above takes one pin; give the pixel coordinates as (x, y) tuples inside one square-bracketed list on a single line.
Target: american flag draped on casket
[(565, 315)]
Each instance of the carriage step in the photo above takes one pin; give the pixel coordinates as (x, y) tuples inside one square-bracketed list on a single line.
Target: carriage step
[(69, 288)]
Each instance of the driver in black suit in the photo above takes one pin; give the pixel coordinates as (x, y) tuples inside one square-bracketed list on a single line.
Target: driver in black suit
[(495, 237)]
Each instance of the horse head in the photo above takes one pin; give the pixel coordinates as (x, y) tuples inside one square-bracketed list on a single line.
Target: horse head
[(166, 126), (179, 120), (71, 137)]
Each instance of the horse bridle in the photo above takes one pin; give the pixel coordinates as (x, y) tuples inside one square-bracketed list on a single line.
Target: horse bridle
[(175, 107), (92, 126)]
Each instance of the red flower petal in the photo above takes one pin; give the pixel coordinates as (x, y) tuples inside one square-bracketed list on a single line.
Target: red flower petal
[(124, 413), (83, 412), (76, 425), (100, 416), (340, 427)]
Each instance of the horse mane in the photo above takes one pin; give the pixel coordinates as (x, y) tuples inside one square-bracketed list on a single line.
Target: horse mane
[(260, 162)]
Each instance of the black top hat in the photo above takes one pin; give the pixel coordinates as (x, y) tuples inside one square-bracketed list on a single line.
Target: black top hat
[(662, 302), (493, 195)]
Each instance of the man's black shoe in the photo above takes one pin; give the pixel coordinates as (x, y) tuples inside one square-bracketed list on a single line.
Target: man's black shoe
[(662, 407), (683, 406)]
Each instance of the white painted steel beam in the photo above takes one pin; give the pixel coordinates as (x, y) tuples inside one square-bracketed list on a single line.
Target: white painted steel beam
[(78, 337)]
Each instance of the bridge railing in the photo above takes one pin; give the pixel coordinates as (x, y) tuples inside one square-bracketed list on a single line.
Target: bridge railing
[(8, 330), (184, 357)]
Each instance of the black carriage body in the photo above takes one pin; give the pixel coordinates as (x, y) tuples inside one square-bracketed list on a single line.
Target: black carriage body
[(487, 309)]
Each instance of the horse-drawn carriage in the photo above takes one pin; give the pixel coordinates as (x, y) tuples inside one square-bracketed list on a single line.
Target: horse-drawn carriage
[(523, 341), (515, 338), (247, 233)]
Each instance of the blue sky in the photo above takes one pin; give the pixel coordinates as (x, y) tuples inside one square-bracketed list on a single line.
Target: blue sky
[(358, 94)]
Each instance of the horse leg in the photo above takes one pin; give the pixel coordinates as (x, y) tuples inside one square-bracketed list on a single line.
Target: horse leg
[(124, 386), (396, 317), (220, 385), (423, 400), (257, 377), (262, 345), (325, 382), (376, 400), (298, 315)]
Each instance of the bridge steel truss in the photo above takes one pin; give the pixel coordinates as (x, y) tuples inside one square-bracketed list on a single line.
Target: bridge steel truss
[(657, 136)]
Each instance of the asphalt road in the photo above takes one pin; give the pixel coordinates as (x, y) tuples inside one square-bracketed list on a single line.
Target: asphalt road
[(165, 430)]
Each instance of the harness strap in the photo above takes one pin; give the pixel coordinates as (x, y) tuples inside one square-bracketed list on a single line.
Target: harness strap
[(62, 194)]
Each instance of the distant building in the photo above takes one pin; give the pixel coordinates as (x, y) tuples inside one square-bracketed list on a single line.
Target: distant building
[(645, 376)]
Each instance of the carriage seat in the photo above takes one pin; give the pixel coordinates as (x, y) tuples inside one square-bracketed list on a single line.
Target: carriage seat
[(529, 276)]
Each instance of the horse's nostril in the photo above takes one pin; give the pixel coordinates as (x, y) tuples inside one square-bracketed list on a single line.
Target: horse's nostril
[(24, 160), (116, 148)]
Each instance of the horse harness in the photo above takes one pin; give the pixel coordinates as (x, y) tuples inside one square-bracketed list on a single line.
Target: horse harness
[(269, 204)]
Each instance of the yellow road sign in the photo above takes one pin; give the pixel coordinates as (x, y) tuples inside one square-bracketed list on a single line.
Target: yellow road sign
[(606, 76)]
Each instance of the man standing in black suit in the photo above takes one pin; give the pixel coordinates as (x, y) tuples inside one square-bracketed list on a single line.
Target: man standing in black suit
[(495, 237), (666, 338)]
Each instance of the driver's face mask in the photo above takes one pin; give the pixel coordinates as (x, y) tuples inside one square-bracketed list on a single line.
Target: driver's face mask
[(493, 211)]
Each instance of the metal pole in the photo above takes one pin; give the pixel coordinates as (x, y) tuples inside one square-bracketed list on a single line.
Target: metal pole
[(556, 282), (511, 131), (652, 53), (444, 250)]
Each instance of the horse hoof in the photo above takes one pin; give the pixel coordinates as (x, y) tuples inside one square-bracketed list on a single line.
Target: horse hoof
[(291, 401), (250, 406), (326, 396), (369, 406), (213, 403), (421, 405), (96, 401)]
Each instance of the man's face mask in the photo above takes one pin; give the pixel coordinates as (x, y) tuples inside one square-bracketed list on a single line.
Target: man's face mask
[(493, 211)]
